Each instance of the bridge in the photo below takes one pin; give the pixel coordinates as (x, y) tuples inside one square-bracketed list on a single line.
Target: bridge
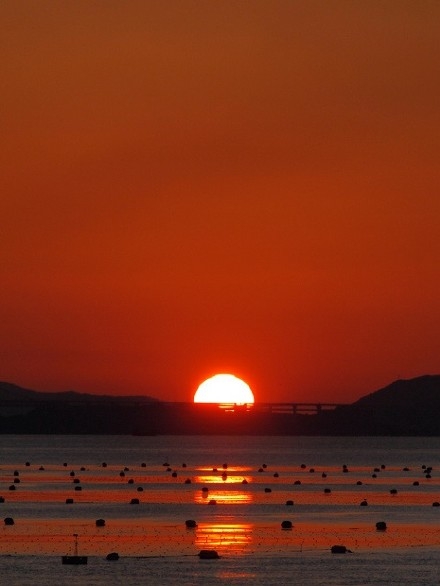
[(268, 408), (296, 408)]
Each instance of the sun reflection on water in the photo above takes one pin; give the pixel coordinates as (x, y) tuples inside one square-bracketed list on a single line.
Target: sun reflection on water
[(235, 475), (235, 537), (219, 478), (229, 497)]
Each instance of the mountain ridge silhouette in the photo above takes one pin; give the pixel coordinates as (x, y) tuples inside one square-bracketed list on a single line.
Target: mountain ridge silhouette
[(406, 407)]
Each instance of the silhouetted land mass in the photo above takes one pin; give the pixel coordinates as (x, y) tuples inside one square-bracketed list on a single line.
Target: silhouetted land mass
[(405, 407), (10, 392)]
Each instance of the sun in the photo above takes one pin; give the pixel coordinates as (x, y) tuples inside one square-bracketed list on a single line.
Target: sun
[(224, 388)]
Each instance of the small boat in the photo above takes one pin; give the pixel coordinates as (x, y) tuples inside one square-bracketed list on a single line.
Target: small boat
[(75, 559)]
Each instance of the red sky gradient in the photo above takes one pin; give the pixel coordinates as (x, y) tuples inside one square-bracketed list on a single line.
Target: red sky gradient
[(199, 187)]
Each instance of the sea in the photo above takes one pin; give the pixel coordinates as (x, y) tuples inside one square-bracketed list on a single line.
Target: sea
[(133, 495)]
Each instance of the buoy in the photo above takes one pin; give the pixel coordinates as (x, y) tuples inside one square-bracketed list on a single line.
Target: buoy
[(436, 504), (208, 554), (100, 522), (364, 503), (289, 503), (2, 499), (112, 557), (9, 521), (381, 526), (393, 491), (267, 490), (130, 481), (297, 482), (78, 488), (339, 549), (69, 501), (134, 502), (188, 481), (276, 475), (212, 502), (286, 525), (140, 489), (190, 523), (359, 483), (327, 490), (12, 487)]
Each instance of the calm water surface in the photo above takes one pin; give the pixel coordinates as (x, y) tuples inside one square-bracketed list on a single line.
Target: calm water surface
[(244, 526)]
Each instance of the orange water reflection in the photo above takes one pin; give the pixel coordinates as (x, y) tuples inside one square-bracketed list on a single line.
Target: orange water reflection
[(233, 537), (229, 497), (231, 474), (220, 478)]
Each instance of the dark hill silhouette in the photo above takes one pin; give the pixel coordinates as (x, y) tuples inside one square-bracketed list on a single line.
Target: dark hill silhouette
[(422, 390), (27, 411), (405, 407), (12, 392)]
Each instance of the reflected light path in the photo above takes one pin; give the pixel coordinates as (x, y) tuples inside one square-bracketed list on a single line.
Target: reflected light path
[(228, 497), (231, 475), (218, 478), (235, 537)]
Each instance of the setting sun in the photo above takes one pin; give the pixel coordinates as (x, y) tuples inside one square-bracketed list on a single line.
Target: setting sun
[(224, 388)]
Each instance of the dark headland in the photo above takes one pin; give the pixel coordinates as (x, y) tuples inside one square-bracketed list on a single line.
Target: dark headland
[(405, 407)]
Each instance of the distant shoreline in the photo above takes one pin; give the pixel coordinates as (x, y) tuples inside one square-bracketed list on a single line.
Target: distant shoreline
[(405, 408), (150, 419)]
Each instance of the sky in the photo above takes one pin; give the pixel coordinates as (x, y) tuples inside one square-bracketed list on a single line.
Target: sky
[(193, 187)]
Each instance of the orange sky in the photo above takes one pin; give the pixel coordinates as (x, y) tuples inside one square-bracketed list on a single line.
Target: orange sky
[(197, 187)]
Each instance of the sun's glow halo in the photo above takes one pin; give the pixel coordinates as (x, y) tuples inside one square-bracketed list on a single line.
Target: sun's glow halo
[(224, 388)]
